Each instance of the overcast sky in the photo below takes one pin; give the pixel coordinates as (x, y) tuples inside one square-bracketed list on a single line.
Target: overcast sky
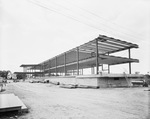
[(32, 31)]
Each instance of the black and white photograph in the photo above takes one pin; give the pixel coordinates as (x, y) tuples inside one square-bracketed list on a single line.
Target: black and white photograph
[(74, 59)]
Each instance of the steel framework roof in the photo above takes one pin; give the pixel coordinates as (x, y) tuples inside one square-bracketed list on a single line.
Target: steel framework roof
[(87, 55), (106, 45)]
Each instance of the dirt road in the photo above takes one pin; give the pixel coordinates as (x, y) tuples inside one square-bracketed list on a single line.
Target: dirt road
[(46, 101)]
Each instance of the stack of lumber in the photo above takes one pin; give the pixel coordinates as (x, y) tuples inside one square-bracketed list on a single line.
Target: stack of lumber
[(67, 86), (77, 86), (86, 86)]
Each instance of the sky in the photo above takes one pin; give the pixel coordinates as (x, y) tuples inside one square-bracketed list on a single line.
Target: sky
[(32, 31)]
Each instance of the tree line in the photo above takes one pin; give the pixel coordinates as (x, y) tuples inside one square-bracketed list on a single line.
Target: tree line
[(6, 74)]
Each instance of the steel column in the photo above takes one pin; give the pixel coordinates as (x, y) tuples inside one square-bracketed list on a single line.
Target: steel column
[(97, 64), (56, 65), (129, 52), (49, 67), (77, 61), (65, 64), (108, 67), (43, 69)]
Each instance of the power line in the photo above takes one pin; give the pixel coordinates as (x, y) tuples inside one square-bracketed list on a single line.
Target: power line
[(104, 19), (71, 17)]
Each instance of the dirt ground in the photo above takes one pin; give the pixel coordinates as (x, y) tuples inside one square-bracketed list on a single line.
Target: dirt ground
[(47, 101)]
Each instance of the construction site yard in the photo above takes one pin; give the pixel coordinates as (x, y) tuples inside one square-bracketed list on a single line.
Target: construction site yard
[(48, 101)]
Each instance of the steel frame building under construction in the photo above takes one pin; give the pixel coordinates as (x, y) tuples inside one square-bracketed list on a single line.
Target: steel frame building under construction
[(93, 54)]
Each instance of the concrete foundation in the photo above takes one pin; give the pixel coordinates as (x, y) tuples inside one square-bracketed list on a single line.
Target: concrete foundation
[(102, 81)]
